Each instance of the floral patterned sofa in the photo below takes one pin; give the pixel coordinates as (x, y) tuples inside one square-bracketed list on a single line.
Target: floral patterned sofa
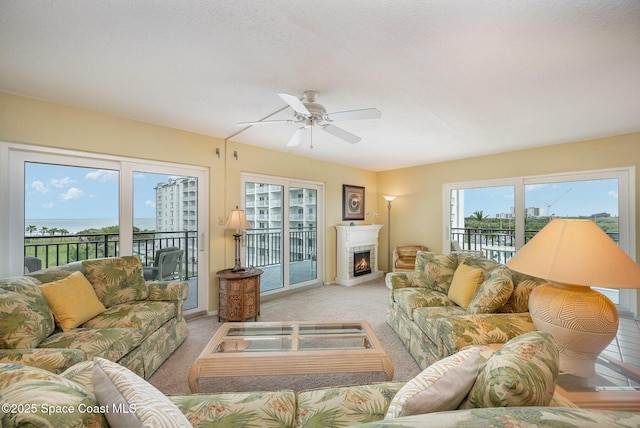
[(76, 397), (433, 326), (106, 309)]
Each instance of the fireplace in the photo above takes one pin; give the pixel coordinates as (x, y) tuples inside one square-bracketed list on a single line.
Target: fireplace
[(357, 254), (361, 263)]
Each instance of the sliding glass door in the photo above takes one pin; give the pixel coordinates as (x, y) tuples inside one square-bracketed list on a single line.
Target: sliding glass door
[(284, 240), (493, 219), (68, 206)]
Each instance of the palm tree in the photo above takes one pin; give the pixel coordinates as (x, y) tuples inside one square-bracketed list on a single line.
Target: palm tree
[(479, 217), (31, 228), (43, 230)]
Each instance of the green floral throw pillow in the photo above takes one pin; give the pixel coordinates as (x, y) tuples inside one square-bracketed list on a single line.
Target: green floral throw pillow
[(25, 317), (493, 293), (116, 280), (523, 372)]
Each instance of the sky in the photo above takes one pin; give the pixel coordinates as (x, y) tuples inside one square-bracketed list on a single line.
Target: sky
[(562, 199), (66, 192)]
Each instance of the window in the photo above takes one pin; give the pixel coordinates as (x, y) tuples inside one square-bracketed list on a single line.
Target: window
[(497, 217), (103, 206)]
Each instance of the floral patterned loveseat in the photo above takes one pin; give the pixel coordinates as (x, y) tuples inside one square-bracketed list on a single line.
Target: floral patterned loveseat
[(139, 325), (432, 326), (34, 397)]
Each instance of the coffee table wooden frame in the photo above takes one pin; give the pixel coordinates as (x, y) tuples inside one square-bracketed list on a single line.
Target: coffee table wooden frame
[(290, 362)]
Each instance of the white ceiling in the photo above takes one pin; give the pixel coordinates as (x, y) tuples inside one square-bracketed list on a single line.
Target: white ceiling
[(453, 78)]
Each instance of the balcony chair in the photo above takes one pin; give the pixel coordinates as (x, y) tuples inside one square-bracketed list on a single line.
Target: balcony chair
[(32, 264), (456, 249), (166, 265), (404, 257)]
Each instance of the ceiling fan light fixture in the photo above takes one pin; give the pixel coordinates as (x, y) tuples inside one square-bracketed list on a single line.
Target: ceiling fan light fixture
[(309, 113)]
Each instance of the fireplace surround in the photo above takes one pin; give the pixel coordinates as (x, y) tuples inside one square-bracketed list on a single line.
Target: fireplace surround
[(353, 242)]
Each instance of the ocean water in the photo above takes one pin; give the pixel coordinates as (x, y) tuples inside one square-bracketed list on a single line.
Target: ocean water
[(75, 225)]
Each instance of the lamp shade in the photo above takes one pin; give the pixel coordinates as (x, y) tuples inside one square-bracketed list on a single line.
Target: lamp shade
[(237, 220), (576, 252)]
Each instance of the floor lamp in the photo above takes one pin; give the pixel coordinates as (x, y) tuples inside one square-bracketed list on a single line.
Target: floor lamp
[(389, 198), (574, 255), (238, 221)]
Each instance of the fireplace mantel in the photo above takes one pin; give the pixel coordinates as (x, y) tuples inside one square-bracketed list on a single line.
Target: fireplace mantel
[(350, 240)]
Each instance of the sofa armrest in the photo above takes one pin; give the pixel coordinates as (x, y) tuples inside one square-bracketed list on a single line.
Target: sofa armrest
[(55, 360), (168, 290), (451, 334), (395, 280)]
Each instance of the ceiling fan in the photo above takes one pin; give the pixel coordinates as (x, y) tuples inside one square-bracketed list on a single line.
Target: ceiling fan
[(310, 114)]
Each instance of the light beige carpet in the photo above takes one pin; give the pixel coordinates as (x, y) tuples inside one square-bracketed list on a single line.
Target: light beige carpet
[(366, 301)]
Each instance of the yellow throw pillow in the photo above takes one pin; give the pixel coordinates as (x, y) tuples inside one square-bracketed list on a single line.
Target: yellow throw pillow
[(464, 285), (72, 300)]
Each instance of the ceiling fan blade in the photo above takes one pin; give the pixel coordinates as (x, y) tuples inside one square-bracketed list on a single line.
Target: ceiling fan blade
[(295, 103), (297, 137), (266, 122), (365, 113), (341, 133)]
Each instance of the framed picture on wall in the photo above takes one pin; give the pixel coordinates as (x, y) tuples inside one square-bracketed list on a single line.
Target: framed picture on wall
[(352, 202)]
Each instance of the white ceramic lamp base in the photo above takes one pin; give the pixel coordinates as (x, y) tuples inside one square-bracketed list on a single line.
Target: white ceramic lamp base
[(583, 322)]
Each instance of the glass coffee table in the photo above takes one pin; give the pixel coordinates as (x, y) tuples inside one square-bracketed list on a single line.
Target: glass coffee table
[(289, 348)]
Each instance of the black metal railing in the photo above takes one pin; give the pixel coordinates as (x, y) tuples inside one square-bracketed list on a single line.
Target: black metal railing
[(264, 246), (56, 250), (495, 239)]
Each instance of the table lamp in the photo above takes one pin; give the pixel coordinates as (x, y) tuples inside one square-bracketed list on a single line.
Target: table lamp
[(574, 255), (238, 221)]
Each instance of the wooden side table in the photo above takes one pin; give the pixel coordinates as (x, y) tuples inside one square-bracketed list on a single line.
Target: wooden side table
[(239, 294)]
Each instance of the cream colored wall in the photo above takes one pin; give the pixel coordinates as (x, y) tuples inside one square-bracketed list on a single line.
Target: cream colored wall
[(29, 121), (417, 212)]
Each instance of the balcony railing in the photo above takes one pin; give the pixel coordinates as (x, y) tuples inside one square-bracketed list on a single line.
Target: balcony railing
[(56, 250), (263, 247), (496, 244)]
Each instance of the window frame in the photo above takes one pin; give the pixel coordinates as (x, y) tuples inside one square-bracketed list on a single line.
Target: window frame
[(626, 214)]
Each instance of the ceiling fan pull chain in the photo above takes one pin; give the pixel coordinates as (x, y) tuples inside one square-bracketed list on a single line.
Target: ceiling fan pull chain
[(311, 129)]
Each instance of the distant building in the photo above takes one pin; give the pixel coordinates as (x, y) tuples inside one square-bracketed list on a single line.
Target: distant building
[(532, 212), (177, 205)]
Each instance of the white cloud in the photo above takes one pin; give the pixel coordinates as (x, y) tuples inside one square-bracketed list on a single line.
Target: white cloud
[(72, 193), (102, 175), (613, 194), (150, 203), (47, 205), (39, 187), (60, 182)]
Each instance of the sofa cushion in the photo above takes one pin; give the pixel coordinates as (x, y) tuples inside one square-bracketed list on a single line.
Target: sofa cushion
[(116, 279), (523, 285), (72, 300), (117, 387), (344, 406), (464, 284), (143, 315), (523, 372), (493, 293), (34, 392), (111, 343), (441, 386), (411, 298), (436, 270), (239, 409), (25, 317)]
